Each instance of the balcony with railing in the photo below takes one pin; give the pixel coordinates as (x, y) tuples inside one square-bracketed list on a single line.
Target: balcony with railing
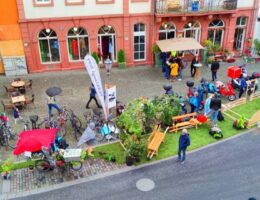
[(193, 6)]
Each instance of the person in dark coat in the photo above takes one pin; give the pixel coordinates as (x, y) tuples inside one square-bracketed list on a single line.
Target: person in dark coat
[(215, 106), (184, 142), (195, 60), (242, 86), (92, 95), (214, 69)]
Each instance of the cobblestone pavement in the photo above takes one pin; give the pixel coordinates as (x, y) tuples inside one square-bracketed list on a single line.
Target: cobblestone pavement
[(24, 180)]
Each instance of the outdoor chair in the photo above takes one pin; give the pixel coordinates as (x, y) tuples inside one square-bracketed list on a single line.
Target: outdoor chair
[(15, 94), (28, 84), (17, 79), (7, 105), (29, 101), (9, 89)]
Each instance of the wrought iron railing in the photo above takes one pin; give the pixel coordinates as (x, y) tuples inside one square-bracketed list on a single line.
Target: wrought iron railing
[(188, 6)]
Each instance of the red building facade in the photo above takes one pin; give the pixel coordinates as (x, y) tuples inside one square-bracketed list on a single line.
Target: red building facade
[(60, 42)]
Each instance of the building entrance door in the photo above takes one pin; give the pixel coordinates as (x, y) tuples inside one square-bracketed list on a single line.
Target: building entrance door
[(239, 39)]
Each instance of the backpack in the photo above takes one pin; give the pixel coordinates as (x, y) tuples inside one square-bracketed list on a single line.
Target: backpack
[(61, 143), (220, 116)]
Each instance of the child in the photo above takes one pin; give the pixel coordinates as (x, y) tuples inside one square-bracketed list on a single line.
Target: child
[(16, 113), (174, 70)]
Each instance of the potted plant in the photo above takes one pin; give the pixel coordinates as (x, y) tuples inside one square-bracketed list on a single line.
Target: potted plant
[(157, 55), (121, 59), (257, 46), (7, 167), (216, 49), (95, 56), (241, 123)]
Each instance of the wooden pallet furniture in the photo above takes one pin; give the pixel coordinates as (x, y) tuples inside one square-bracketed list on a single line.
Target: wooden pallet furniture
[(254, 120), (233, 104), (184, 121), (154, 141), (254, 96)]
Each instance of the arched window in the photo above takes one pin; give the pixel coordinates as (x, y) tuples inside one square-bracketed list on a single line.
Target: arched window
[(192, 30), (241, 21), (78, 43), (139, 42), (167, 31), (216, 32), (49, 46)]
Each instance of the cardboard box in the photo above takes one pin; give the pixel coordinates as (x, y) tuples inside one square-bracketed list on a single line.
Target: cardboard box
[(72, 155)]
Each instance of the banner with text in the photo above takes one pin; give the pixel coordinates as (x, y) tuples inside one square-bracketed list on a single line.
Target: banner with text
[(93, 71), (111, 97)]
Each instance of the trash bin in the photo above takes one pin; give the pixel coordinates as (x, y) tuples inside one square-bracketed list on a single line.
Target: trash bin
[(204, 55), (158, 60)]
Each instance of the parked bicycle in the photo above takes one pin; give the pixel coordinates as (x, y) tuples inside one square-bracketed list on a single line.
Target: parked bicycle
[(6, 135), (106, 128), (47, 163), (76, 126)]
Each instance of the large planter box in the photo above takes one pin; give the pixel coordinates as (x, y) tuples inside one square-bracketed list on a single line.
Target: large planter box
[(122, 65), (234, 72)]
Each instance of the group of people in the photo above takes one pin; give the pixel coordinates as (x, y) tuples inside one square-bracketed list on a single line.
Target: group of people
[(172, 65)]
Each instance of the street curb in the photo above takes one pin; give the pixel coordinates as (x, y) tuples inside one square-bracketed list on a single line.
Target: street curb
[(111, 173)]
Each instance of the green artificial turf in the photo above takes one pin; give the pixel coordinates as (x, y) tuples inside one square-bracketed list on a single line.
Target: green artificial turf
[(248, 109)]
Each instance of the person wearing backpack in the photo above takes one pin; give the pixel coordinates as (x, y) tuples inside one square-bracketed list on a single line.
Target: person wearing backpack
[(184, 142)]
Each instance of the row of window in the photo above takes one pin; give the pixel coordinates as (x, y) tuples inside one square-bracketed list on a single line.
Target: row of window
[(78, 41), (78, 44)]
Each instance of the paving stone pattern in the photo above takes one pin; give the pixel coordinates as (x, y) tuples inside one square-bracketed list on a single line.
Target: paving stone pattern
[(24, 180)]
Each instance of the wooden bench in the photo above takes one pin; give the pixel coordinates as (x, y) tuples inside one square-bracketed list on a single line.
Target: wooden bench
[(254, 120), (190, 121), (154, 141)]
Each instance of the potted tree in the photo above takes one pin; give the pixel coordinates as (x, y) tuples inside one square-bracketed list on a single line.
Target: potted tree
[(257, 46), (157, 55), (121, 59)]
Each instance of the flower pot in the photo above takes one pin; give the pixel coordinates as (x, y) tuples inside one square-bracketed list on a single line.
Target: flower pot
[(129, 160), (122, 65)]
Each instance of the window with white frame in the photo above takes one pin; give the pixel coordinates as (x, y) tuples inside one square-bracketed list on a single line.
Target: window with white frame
[(139, 42), (241, 21), (78, 43), (43, 1), (167, 31), (216, 32), (49, 46)]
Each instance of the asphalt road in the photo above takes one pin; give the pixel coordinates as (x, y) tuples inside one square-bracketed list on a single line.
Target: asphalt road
[(228, 170)]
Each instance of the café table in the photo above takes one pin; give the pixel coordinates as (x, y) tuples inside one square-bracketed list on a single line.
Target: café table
[(18, 99), (198, 66), (17, 84)]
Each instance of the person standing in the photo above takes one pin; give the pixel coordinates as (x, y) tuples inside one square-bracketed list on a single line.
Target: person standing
[(174, 70), (167, 67), (51, 101), (184, 142), (194, 102), (242, 86), (16, 114), (194, 61), (92, 95), (215, 106), (214, 69)]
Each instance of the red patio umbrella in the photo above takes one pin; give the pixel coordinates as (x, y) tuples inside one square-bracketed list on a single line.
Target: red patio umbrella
[(33, 140), (202, 118)]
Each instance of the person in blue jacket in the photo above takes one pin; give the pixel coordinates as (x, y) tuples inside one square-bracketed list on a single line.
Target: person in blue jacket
[(184, 142), (242, 86), (92, 95)]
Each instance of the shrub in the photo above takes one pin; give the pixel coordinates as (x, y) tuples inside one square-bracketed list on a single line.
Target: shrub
[(95, 56), (208, 44), (121, 56), (155, 48), (257, 45)]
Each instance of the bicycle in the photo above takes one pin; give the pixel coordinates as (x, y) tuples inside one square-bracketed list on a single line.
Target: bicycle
[(76, 125), (5, 139), (45, 165)]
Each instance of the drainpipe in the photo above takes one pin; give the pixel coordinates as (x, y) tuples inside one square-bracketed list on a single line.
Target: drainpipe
[(252, 19)]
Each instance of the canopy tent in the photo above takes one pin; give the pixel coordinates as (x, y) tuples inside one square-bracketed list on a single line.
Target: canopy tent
[(178, 44)]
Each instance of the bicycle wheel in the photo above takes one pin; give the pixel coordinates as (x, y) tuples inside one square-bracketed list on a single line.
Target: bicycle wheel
[(75, 122), (42, 165), (9, 131), (8, 143), (76, 165), (66, 113), (77, 134)]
